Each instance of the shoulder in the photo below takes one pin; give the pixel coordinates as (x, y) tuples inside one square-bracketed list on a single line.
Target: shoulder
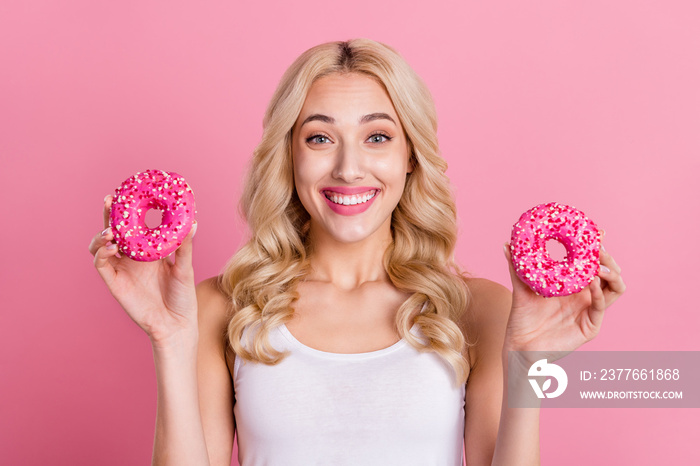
[(210, 290), (485, 319), (485, 325), (212, 296), (214, 373), (212, 309)]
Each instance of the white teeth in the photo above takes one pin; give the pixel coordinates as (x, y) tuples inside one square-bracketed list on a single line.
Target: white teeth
[(350, 200)]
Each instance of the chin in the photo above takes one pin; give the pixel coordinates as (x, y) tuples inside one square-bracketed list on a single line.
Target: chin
[(347, 234), (350, 237)]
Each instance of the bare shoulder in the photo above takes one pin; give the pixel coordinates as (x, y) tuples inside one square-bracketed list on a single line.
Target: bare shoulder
[(486, 318), (211, 297), (214, 381), (485, 326), (213, 309), (210, 290)]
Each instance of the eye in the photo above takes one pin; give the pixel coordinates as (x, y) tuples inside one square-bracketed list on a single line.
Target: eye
[(379, 138), (318, 139)]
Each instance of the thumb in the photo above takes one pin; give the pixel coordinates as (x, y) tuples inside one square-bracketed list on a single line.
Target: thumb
[(518, 285), (183, 254)]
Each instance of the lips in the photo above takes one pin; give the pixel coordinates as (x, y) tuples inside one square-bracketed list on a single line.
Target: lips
[(347, 200), (349, 190), (360, 198)]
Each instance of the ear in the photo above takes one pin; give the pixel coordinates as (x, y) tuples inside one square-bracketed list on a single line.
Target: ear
[(411, 163)]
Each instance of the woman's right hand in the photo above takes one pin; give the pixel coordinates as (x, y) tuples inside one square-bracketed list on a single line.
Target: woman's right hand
[(160, 295)]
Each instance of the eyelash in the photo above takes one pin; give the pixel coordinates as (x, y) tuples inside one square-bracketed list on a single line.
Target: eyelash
[(378, 133)]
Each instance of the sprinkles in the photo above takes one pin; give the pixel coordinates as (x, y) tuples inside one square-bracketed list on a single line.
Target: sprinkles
[(579, 235), (152, 189)]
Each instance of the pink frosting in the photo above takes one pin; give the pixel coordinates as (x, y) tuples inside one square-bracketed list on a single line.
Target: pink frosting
[(151, 189), (579, 235)]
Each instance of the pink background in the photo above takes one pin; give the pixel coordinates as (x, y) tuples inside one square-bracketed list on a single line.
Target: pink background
[(594, 104)]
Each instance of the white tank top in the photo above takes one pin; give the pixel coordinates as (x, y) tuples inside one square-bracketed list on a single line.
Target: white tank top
[(395, 406)]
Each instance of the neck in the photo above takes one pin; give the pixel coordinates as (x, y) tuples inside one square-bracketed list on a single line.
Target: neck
[(349, 265)]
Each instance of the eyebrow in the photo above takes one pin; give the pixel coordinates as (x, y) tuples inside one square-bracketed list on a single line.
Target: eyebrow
[(363, 120)]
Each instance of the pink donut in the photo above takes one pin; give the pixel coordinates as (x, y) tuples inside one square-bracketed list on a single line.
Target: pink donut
[(152, 189), (579, 235)]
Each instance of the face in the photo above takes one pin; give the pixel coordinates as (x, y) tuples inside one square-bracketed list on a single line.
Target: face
[(350, 158)]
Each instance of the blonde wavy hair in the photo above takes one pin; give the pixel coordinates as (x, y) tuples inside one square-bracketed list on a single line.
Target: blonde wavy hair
[(261, 278)]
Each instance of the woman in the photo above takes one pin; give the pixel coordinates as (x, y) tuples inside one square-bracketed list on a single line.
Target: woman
[(343, 332)]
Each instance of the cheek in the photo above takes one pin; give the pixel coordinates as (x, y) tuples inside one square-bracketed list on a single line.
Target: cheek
[(392, 172), (304, 171), (307, 175)]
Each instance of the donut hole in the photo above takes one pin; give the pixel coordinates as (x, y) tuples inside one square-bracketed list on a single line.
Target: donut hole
[(556, 250), (153, 218)]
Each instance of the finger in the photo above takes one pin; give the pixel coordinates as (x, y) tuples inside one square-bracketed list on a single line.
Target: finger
[(614, 285), (106, 209), (518, 285), (607, 260), (183, 254), (103, 265), (169, 260), (100, 239), (604, 272), (598, 303)]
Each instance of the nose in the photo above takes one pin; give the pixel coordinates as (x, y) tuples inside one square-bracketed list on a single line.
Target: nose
[(349, 164)]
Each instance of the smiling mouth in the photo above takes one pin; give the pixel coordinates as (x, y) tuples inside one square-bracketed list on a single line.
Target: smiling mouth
[(355, 199)]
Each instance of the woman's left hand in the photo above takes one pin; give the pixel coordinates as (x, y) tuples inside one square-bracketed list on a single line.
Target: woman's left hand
[(559, 325)]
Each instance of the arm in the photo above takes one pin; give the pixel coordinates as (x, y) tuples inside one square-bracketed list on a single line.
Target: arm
[(215, 382), (186, 324), (502, 321), (194, 421), (493, 433)]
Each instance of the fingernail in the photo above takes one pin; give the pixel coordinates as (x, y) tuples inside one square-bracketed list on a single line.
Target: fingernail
[(604, 269), (105, 231), (505, 249), (194, 229), (105, 199), (602, 247), (111, 246)]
